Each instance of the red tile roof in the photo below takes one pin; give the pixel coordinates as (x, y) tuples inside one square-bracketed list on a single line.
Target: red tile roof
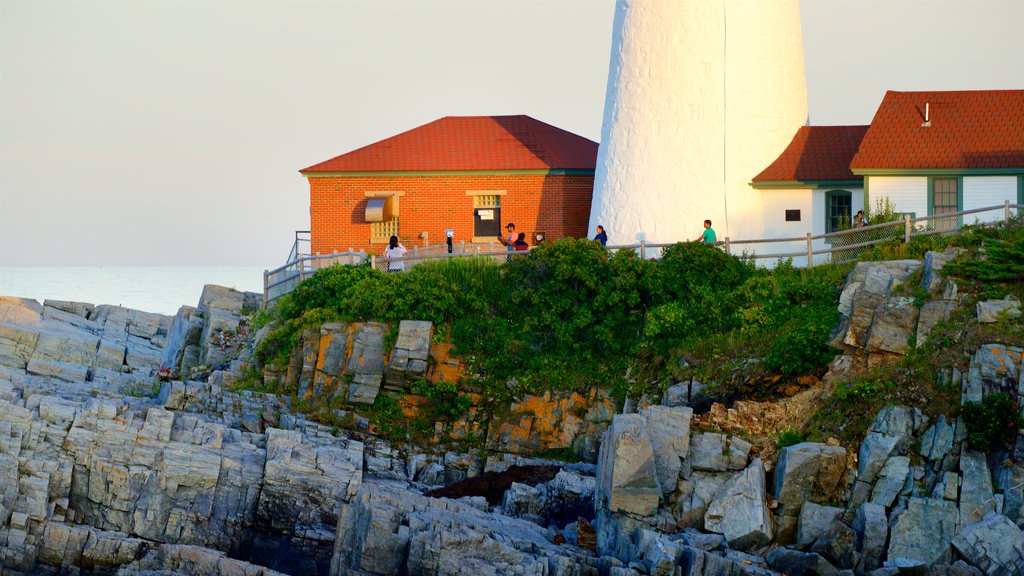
[(969, 129), (816, 153), (471, 143)]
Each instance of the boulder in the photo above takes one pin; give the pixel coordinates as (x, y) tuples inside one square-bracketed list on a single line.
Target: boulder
[(410, 354), (993, 368), (890, 481), (890, 434), (893, 326), (796, 563), (933, 262), (937, 442), (804, 471), (922, 533), (995, 310), (709, 452), (815, 522), (694, 496), (994, 544), (522, 500), (627, 478), (385, 530), (669, 432), (872, 529), (932, 312), (366, 364), (221, 298), (976, 495), (739, 511)]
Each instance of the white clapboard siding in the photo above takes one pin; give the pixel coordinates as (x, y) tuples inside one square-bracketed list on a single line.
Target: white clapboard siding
[(906, 193), (984, 191)]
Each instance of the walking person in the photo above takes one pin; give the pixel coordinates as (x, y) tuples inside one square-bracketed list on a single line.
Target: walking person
[(708, 236), (394, 253), (601, 236)]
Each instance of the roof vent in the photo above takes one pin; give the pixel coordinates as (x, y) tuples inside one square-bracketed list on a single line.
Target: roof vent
[(927, 121)]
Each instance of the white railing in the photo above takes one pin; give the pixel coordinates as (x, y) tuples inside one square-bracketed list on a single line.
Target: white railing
[(805, 251)]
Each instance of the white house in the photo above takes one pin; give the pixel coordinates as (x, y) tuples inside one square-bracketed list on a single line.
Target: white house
[(927, 153), (931, 153), (809, 187)]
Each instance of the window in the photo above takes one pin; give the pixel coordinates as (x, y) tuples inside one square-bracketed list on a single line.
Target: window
[(383, 231), (944, 201), (838, 204), (792, 215), (486, 215)]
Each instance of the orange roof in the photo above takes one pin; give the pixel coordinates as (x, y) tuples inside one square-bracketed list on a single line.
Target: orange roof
[(471, 143), (816, 153), (969, 129)]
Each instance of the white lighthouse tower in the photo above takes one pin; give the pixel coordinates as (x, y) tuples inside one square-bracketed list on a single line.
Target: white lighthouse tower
[(702, 96)]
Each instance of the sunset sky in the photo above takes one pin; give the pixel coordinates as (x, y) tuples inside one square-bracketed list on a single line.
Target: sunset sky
[(170, 133)]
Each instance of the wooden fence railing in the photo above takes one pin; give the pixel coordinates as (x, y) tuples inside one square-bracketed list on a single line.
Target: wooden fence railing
[(805, 251)]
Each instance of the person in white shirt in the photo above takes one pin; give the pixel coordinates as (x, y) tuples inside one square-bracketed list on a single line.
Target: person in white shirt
[(394, 253)]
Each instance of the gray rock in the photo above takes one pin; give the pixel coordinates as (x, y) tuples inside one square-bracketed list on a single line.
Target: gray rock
[(795, 563), (995, 310), (409, 355), (627, 478), (893, 326), (890, 435), (815, 522), (933, 262), (694, 496), (891, 480), (709, 452), (521, 500), (385, 530), (804, 471), (838, 546), (669, 433), (739, 511), (1010, 479), (932, 312), (937, 442), (976, 495), (872, 529), (922, 533), (366, 364), (995, 545), (221, 298), (993, 368)]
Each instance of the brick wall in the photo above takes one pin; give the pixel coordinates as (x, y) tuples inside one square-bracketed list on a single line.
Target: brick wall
[(557, 204)]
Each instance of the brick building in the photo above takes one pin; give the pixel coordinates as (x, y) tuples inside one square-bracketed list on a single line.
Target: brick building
[(470, 174)]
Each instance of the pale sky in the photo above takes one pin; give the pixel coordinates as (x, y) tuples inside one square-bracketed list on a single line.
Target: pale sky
[(170, 133)]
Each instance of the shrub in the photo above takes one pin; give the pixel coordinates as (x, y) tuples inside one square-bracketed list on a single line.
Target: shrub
[(571, 297), (788, 437), (995, 420)]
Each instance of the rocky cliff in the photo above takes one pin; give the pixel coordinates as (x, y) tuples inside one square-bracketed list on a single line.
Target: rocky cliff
[(106, 469)]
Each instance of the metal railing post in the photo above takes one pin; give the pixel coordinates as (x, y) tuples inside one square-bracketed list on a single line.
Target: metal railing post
[(906, 228), (266, 282), (727, 251), (643, 250), (810, 252)]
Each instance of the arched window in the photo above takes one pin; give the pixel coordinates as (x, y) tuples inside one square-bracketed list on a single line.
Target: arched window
[(838, 205)]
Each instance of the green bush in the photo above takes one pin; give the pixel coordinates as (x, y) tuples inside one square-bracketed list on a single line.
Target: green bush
[(788, 437), (995, 420), (571, 297)]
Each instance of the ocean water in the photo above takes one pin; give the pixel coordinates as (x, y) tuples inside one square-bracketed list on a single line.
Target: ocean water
[(151, 289)]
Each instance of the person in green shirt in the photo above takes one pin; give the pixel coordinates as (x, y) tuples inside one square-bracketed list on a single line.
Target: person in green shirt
[(708, 236)]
